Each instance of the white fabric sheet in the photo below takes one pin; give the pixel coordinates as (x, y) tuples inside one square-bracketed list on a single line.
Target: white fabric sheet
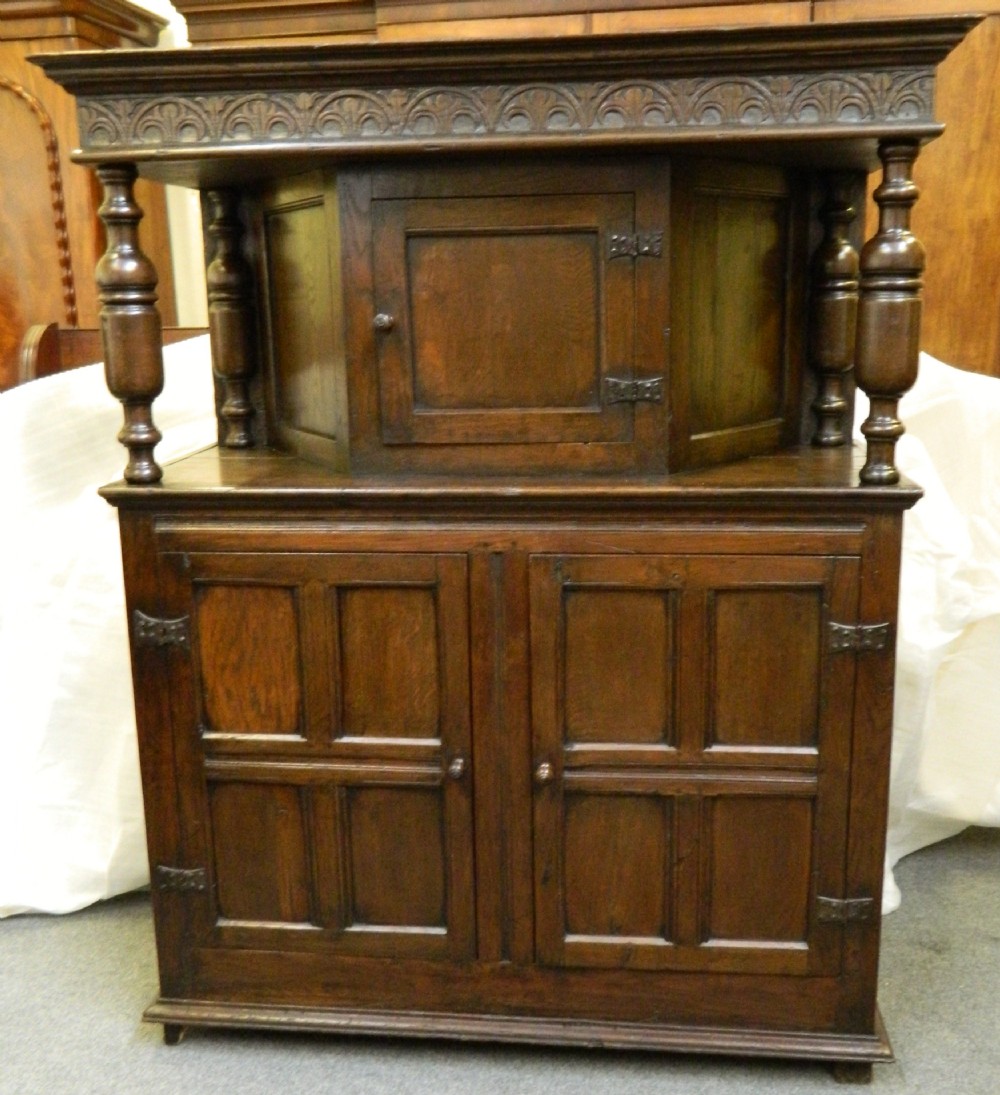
[(71, 827), (946, 731), (70, 802)]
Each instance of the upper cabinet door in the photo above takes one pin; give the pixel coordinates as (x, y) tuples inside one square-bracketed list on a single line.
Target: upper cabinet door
[(691, 726), (322, 718), (519, 316)]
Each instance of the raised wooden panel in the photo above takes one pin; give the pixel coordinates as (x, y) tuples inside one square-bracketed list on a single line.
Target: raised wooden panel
[(389, 662), (249, 659), (617, 867), (619, 665), (259, 842), (759, 862), (397, 857), (766, 657), (734, 368), (536, 302), (507, 318)]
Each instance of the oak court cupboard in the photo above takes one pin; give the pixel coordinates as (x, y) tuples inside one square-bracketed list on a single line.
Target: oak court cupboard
[(520, 664)]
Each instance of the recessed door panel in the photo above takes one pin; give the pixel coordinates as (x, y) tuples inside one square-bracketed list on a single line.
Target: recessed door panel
[(758, 860), (619, 664), (249, 658), (766, 655), (260, 845), (390, 664), (397, 858)]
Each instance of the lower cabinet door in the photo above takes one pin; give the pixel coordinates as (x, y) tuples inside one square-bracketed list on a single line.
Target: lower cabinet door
[(322, 737), (691, 729)]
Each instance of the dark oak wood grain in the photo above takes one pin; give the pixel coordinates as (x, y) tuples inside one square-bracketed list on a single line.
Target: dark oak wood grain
[(538, 649)]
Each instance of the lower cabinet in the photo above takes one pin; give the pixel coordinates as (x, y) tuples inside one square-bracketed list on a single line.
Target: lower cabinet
[(537, 777)]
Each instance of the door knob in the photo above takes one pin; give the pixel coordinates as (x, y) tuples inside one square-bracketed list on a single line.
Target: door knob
[(383, 321), (544, 773), (457, 768)]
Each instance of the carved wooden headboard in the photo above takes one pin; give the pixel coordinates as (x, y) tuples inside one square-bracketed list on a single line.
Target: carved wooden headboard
[(36, 265), (50, 236)]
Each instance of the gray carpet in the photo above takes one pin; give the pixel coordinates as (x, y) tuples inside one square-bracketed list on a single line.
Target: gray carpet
[(72, 989)]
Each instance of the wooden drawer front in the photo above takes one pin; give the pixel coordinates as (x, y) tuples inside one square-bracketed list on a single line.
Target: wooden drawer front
[(691, 732), (325, 702)]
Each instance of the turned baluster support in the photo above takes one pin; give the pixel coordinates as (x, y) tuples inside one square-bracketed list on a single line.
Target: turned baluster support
[(888, 347), (130, 323), (834, 312), (230, 318)]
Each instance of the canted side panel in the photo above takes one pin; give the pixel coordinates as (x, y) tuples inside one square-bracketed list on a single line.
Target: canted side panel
[(389, 662), (302, 315), (765, 662), (758, 863), (736, 374), (249, 658), (735, 303), (298, 230), (619, 663)]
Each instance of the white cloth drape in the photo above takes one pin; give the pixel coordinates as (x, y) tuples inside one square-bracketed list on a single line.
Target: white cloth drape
[(71, 825), (71, 829)]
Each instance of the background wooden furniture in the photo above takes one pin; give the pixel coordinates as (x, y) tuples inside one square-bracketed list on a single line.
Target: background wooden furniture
[(50, 235), (51, 349), (521, 664), (959, 175)]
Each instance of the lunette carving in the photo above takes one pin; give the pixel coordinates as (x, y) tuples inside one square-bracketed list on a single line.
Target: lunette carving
[(467, 113), (834, 312), (56, 192)]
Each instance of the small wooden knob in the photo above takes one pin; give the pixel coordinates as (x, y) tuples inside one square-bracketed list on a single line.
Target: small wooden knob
[(383, 321), (457, 768), (544, 773)]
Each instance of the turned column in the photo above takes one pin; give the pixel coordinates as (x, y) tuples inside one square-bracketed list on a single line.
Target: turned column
[(888, 348), (130, 323), (230, 318), (834, 312)]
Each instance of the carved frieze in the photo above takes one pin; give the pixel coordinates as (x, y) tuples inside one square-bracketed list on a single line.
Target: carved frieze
[(465, 113)]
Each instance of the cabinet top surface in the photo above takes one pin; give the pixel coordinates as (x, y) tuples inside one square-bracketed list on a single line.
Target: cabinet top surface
[(796, 481), (815, 82)]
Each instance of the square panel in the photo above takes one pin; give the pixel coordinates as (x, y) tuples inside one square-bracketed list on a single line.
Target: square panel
[(529, 334)]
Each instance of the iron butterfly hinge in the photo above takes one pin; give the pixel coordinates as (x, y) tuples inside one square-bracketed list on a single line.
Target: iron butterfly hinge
[(152, 631)]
